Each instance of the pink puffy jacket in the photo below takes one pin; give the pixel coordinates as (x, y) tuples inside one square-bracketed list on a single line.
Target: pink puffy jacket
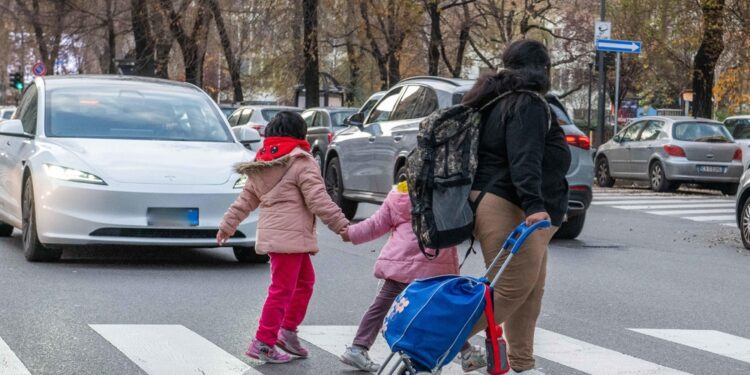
[(401, 259), (290, 193)]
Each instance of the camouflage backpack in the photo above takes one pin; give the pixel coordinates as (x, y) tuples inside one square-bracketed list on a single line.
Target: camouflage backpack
[(440, 173)]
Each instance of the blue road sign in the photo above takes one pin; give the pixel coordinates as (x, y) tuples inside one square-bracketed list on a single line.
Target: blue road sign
[(625, 46)]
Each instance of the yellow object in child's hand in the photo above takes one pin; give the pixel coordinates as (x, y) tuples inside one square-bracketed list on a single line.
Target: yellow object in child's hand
[(402, 187)]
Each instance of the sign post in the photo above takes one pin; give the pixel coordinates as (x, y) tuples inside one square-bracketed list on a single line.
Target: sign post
[(618, 46)]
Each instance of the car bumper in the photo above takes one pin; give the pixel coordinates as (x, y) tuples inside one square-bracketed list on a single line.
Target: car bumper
[(83, 214), (685, 170)]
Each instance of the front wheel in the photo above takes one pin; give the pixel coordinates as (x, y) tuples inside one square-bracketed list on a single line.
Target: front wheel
[(745, 224), (603, 177), (248, 255), (33, 249), (658, 179), (335, 188), (572, 228)]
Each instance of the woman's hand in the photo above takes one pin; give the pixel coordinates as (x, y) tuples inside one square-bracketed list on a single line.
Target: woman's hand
[(345, 235), (222, 237), (537, 217)]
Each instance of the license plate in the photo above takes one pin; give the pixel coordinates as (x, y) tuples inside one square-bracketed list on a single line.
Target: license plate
[(172, 217), (711, 169)]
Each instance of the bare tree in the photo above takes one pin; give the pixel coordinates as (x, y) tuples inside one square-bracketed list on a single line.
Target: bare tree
[(232, 59), (48, 22), (310, 48), (704, 64), (193, 43)]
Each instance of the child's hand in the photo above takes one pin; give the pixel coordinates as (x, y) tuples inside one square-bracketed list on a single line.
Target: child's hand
[(222, 237)]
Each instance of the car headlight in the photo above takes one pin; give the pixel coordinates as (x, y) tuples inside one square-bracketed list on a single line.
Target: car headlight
[(70, 174), (240, 182)]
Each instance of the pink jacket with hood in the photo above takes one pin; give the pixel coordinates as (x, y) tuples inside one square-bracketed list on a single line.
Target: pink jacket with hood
[(401, 259), (289, 192)]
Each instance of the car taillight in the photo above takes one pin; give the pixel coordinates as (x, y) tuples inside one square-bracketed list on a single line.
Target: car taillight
[(580, 141), (673, 150), (737, 155), (579, 188), (330, 137)]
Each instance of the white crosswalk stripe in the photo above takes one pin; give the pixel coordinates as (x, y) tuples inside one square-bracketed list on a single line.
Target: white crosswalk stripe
[(704, 209), (9, 362), (715, 342), (167, 349)]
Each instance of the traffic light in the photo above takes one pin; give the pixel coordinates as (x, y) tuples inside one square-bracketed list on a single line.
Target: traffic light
[(16, 81)]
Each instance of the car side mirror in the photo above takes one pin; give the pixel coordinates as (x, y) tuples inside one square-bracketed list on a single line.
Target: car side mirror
[(355, 120), (247, 136), (13, 128), (617, 139)]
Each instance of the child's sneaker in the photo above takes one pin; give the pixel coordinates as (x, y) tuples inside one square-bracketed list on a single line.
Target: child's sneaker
[(289, 342), (473, 358), (265, 353), (359, 358)]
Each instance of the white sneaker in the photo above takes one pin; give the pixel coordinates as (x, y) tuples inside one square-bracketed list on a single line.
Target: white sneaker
[(359, 358)]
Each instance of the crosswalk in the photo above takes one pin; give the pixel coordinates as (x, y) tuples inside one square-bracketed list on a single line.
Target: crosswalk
[(702, 209), (171, 349)]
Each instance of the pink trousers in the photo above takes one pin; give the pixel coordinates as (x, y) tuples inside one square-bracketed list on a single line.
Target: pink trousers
[(292, 280)]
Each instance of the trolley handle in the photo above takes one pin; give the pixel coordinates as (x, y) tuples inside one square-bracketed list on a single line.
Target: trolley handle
[(518, 236)]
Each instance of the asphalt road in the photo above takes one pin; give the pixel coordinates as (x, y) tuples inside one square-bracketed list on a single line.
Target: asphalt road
[(181, 311)]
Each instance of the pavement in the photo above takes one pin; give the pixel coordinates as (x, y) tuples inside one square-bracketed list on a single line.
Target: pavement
[(655, 284)]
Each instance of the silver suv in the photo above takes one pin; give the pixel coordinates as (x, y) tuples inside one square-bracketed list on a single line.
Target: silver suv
[(364, 161)]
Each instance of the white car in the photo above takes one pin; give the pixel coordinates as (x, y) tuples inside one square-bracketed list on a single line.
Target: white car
[(108, 160), (739, 126), (256, 117)]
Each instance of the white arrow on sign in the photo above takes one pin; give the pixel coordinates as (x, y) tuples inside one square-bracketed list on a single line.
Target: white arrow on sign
[(630, 46)]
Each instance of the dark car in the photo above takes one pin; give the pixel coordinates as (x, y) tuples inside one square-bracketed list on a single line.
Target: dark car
[(322, 124)]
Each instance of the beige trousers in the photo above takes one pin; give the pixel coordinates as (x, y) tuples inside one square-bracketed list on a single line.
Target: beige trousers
[(518, 294)]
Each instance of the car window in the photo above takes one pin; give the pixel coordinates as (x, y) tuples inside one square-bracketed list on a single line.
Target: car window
[(408, 102), (631, 132), (234, 118), (27, 110), (562, 117), (245, 117), (740, 128), (384, 108), (651, 131), (701, 132), (7, 114), (269, 114), (309, 117), (320, 120), (337, 118), (368, 106), (427, 103)]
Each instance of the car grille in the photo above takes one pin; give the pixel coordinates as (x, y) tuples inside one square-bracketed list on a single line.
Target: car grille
[(160, 233)]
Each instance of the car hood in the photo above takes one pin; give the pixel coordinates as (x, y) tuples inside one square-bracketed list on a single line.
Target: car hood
[(157, 162)]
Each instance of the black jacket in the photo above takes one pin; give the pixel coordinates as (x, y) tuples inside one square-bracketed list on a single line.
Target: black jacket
[(529, 160)]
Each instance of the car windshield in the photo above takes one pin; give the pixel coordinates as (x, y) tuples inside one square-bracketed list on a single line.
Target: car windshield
[(227, 111), (146, 111), (701, 132), (269, 114), (337, 118), (740, 128)]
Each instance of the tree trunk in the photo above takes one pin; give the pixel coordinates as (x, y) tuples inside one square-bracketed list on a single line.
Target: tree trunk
[(310, 48), (144, 48), (111, 38), (193, 45), (163, 41), (436, 37), (232, 60), (394, 68), (708, 54), (353, 56)]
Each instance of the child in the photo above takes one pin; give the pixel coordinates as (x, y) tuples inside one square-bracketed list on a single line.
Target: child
[(284, 182), (400, 262)]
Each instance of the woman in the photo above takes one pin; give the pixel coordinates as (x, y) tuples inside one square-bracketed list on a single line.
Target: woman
[(523, 159)]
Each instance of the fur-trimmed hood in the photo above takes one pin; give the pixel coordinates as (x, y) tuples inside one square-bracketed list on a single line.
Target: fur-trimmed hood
[(250, 168)]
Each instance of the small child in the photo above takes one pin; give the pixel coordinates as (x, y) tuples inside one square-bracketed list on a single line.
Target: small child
[(399, 263), (284, 182)]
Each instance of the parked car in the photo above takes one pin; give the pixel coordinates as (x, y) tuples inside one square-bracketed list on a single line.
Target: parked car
[(322, 124), (119, 160), (359, 117), (363, 162), (6, 113), (256, 117), (739, 126), (669, 151)]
